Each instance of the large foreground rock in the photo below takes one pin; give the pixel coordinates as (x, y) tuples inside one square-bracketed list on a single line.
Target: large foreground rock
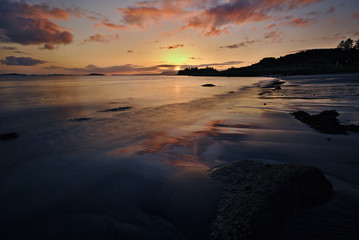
[(259, 197)]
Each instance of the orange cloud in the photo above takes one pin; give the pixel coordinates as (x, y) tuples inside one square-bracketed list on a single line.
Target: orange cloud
[(106, 23)]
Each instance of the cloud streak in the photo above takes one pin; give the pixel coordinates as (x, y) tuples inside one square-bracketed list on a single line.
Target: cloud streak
[(173, 46), (241, 44), (101, 38), (301, 22), (21, 61)]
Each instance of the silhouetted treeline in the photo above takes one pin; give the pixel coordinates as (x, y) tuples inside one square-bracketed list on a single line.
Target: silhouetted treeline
[(349, 44), (207, 71), (316, 61)]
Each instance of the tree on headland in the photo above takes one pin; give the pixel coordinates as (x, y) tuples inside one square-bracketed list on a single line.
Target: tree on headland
[(356, 46), (348, 44)]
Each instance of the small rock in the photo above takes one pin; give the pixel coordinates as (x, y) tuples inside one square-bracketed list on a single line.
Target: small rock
[(8, 136), (208, 85)]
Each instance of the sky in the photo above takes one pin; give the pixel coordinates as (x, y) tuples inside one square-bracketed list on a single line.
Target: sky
[(161, 37)]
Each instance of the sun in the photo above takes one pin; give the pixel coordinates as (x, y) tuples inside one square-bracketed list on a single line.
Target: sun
[(177, 68)]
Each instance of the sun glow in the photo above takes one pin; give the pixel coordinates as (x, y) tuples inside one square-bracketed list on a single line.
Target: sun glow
[(177, 68), (175, 57)]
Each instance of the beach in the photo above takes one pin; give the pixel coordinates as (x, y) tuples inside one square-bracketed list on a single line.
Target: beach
[(129, 157)]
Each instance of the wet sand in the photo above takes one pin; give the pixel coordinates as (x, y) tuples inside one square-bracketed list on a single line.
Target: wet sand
[(143, 172)]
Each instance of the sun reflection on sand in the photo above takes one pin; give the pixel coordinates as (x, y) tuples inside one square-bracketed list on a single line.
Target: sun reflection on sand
[(197, 148)]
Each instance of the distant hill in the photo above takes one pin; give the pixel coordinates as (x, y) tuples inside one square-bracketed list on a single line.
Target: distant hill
[(316, 61)]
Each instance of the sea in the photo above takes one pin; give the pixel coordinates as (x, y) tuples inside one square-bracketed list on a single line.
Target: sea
[(127, 157)]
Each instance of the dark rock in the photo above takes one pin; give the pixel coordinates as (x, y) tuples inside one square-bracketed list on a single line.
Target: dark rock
[(9, 136), (79, 119), (277, 88), (116, 109), (325, 122), (262, 93), (208, 85), (259, 197)]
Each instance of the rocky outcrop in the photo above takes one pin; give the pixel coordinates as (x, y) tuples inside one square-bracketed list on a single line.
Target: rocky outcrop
[(325, 122), (259, 197)]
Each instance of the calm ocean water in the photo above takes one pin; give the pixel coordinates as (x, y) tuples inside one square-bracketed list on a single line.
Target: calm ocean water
[(141, 171)]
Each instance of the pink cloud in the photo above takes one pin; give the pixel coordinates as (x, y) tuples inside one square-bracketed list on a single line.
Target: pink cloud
[(101, 38), (213, 17), (274, 36), (219, 18), (300, 22)]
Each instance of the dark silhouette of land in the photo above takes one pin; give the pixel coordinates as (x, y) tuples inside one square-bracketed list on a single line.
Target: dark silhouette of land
[(96, 74), (309, 62)]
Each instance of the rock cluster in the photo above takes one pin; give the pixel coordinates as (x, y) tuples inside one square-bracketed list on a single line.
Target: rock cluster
[(325, 122)]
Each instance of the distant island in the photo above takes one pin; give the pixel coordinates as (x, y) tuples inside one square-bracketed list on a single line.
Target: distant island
[(343, 59), (96, 74)]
